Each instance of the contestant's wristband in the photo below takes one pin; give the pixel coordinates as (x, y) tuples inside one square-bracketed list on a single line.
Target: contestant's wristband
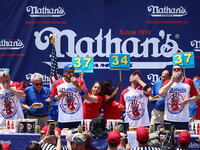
[(83, 92), (42, 141), (53, 98), (146, 87), (171, 81), (10, 88)]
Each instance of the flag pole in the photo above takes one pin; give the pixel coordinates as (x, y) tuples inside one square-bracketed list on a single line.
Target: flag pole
[(54, 75), (120, 75), (52, 40)]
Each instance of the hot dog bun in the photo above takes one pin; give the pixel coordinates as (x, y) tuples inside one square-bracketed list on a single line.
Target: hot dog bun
[(37, 105)]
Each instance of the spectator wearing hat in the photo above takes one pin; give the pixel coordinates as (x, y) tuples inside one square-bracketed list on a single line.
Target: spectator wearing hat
[(10, 92), (70, 108), (37, 94), (142, 137), (24, 84), (113, 140), (77, 141), (5, 146), (51, 142), (154, 140), (184, 140), (134, 100)]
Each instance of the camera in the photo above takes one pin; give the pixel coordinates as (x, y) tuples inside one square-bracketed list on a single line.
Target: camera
[(168, 141)]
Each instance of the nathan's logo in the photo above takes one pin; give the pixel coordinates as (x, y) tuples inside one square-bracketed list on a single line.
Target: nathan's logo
[(70, 104), (70, 101), (11, 44), (135, 109), (162, 46), (177, 90), (134, 97), (45, 80), (153, 78), (166, 11), (196, 45), (34, 11), (9, 109), (174, 103), (194, 145)]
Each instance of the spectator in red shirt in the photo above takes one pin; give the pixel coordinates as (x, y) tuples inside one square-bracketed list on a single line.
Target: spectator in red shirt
[(110, 104), (92, 101)]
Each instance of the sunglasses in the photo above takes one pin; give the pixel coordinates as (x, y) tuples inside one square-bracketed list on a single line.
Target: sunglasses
[(37, 84), (177, 69)]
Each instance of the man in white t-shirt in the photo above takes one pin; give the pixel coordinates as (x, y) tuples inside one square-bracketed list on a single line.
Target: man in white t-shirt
[(179, 92), (10, 92), (70, 109), (135, 99)]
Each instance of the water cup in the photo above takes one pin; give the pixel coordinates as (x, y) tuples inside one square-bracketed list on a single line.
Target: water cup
[(23, 126)]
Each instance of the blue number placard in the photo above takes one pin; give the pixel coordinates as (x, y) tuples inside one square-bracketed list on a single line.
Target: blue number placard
[(88, 64), (119, 61), (189, 60), (125, 62), (83, 64), (114, 61), (186, 60), (177, 59), (77, 63)]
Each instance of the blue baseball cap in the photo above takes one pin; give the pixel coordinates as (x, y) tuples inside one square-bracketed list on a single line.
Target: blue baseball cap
[(77, 138), (67, 67)]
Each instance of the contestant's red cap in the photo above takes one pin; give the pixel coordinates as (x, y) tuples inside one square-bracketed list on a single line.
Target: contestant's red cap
[(24, 82), (114, 137), (142, 134), (198, 78), (5, 146), (45, 129), (184, 138)]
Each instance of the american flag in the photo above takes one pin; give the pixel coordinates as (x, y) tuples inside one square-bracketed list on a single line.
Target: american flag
[(54, 75)]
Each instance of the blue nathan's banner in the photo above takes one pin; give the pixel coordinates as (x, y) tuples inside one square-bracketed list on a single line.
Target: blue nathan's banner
[(150, 31)]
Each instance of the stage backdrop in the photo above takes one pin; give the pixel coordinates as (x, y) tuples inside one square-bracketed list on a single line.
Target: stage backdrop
[(149, 30)]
